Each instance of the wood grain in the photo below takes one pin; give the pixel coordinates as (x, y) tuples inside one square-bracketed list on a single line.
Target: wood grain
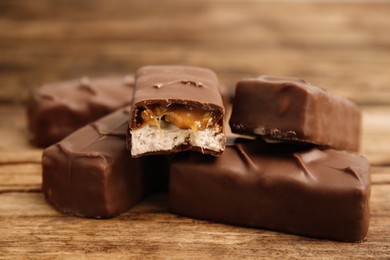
[(344, 47), (30, 227)]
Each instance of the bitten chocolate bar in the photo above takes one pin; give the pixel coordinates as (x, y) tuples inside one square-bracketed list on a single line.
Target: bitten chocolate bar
[(290, 109), (310, 192), (176, 108), (91, 174), (56, 110)]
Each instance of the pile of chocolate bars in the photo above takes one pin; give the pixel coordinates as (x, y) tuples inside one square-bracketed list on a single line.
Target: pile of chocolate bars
[(295, 169)]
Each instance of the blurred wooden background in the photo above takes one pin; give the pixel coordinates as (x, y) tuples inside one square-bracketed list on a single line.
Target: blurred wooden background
[(343, 46)]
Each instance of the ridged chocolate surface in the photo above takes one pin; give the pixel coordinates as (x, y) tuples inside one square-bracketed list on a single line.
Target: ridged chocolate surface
[(290, 109), (305, 191), (56, 110), (91, 174)]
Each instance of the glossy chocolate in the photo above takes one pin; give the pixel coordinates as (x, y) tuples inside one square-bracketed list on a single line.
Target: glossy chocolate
[(91, 174), (56, 110), (305, 191), (177, 85), (291, 109)]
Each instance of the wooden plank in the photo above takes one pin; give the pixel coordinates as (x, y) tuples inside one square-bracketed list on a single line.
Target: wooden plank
[(380, 175), (20, 177), (376, 134), (18, 156), (331, 50), (29, 227), (14, 145), (341, 75)]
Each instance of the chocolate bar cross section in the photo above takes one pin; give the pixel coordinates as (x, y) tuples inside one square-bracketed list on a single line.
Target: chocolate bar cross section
[(176, 108)]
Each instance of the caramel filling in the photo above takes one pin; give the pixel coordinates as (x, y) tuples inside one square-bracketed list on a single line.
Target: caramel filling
[(184, 117)]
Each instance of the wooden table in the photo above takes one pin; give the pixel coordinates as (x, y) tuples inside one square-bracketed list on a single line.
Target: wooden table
[(344, 47)]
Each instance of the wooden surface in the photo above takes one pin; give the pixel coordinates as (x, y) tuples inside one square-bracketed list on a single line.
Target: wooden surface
[(344, 47)]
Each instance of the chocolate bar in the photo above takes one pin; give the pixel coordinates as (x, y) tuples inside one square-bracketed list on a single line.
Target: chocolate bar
[(299, 190), (56, 110), (291, 109), (91, 174), (176, 108)]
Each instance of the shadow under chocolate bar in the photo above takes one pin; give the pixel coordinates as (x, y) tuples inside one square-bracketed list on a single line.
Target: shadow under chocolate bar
[(304, 191), (55, 110), (90, 173), (293, 110)]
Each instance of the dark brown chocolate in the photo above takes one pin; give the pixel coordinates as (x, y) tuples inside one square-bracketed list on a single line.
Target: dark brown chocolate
[(56, 110), (290, 109), (91, 174), (305, 191), (175, 87)]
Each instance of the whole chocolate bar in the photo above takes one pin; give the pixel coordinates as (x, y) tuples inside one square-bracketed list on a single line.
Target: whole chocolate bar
[(305, 191), (56, 110), (91, 174), (290, 109), (176, 108)]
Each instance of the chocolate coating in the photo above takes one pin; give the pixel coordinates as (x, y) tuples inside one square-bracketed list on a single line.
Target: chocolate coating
[(56, 110), (290, 109), (183, 85), (180, 84), (305, 191), (91, 174)]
